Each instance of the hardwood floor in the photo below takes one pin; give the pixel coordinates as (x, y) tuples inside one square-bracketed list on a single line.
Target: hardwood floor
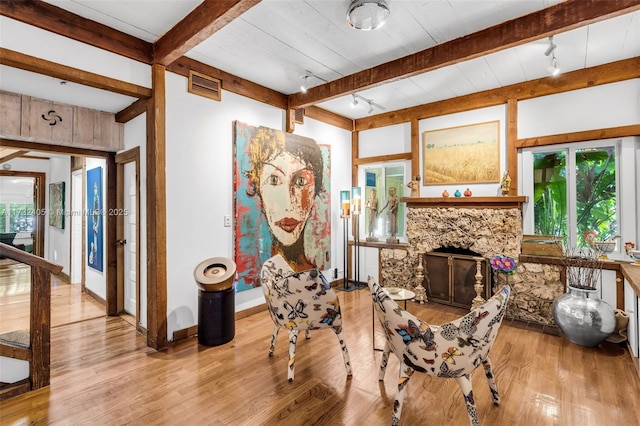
[(103, 374), (68, 303)]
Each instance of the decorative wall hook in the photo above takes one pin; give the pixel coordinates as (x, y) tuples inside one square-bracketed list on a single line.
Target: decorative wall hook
[(52, 118)]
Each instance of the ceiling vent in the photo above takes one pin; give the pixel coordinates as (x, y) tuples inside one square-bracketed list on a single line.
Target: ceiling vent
[(204, 85), (299, 116)]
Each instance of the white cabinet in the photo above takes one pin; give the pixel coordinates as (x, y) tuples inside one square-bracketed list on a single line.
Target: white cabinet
[(631, 308)]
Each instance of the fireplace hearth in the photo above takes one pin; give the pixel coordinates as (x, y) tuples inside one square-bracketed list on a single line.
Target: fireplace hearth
[(487, 230)]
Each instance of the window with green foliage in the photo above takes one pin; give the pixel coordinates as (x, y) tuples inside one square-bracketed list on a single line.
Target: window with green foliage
[(574, 191), (21, 217)]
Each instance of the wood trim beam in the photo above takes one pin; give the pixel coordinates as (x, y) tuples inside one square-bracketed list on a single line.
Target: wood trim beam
[(512, 151), (383, 158), (61, 149), (329, 117), (59, 21), (586, 135), (156, 213), (415, 148), (132, 111), (538, 25), (203, 21), (16, 154), (230, 82), (589, 77), (52, 69), (355, 153)]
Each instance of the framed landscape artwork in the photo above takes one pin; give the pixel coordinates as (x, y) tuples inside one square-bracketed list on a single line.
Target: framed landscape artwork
[(282, 201), (464, 154), (56, 205)]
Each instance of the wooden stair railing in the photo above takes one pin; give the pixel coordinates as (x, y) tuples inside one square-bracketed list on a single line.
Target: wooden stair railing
[(38, 353)]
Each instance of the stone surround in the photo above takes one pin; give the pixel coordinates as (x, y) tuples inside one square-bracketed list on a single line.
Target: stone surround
[(486, 231)]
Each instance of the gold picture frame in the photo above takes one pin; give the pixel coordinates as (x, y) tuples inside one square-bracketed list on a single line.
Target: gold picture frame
[(462, 154)]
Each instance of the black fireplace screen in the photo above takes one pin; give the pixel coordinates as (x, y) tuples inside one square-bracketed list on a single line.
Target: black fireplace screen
[(450, 277)]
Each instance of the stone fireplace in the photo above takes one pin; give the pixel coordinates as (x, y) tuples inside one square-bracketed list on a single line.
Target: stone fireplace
[(488, 226)]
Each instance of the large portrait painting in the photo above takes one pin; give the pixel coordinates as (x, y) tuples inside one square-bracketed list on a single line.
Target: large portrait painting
[(464, 154), (56, 205), (95, 217), (282, 201)]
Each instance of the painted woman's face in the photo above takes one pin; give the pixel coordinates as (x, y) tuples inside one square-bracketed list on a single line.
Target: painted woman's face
[(287, 188)]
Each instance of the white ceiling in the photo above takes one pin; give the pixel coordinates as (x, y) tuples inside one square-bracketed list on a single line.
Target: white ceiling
[(274, 42)]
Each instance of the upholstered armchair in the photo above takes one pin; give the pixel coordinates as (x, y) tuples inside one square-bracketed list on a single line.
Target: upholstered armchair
[(451, 350), (300, 301)]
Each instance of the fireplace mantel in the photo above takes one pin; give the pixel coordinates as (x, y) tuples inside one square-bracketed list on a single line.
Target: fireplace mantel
[(496, 202)]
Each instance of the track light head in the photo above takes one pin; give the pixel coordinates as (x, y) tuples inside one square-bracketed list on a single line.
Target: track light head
[(354, 102), (551, 48), (553, 69)]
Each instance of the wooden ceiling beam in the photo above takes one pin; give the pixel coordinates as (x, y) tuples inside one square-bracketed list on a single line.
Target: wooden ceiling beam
[(230, 82), (203, 21), (19, 60), (581, 79), (11, 154), (561, 17), (57, 20)]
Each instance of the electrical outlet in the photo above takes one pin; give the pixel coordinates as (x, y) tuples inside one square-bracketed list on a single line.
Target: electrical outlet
[(227, 220)]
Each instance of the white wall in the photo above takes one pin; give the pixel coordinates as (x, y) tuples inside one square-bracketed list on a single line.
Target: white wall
[(609, 105), (59, 242), (199, 184)]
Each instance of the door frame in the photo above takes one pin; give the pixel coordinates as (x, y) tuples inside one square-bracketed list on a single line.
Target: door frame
[(39, 200), (122, 158)]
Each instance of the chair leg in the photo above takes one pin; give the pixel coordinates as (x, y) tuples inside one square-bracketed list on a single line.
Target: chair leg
[(467, 392), (488, 371), (345, 351), (384, 361), (308, 332), (293, 339), (274, 338), (405, 374)]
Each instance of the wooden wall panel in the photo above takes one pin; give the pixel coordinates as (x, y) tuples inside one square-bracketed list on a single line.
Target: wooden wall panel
[(63, 129), (36, 126), (10, 113), (83, 122)]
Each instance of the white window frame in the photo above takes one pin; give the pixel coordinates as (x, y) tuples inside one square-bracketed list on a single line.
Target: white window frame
[(570, 148)]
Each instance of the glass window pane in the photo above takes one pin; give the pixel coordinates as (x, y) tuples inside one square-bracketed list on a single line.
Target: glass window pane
[(372, 197), (3, 218), (596, 193), (550, 193), (21, 217), (394, 178)]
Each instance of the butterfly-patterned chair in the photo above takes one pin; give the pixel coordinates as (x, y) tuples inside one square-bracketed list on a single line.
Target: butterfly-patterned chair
[(300, 301), (451, 350)]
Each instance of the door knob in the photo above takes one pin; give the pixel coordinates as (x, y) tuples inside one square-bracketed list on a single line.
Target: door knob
[(121, 242)]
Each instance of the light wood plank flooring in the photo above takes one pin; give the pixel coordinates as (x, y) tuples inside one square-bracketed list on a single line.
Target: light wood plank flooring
[(103, 374)]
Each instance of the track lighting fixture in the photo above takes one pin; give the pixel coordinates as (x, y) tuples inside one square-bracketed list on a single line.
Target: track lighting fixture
[(305, 85), (553, 68), (369, 102), (551, 48)]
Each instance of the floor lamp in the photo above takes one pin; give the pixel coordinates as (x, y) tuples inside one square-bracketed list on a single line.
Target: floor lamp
[(356, 197), (345, 208)]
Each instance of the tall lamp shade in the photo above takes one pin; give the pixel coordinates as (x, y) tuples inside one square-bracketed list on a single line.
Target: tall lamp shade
[(356, 198), (345, 203)]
